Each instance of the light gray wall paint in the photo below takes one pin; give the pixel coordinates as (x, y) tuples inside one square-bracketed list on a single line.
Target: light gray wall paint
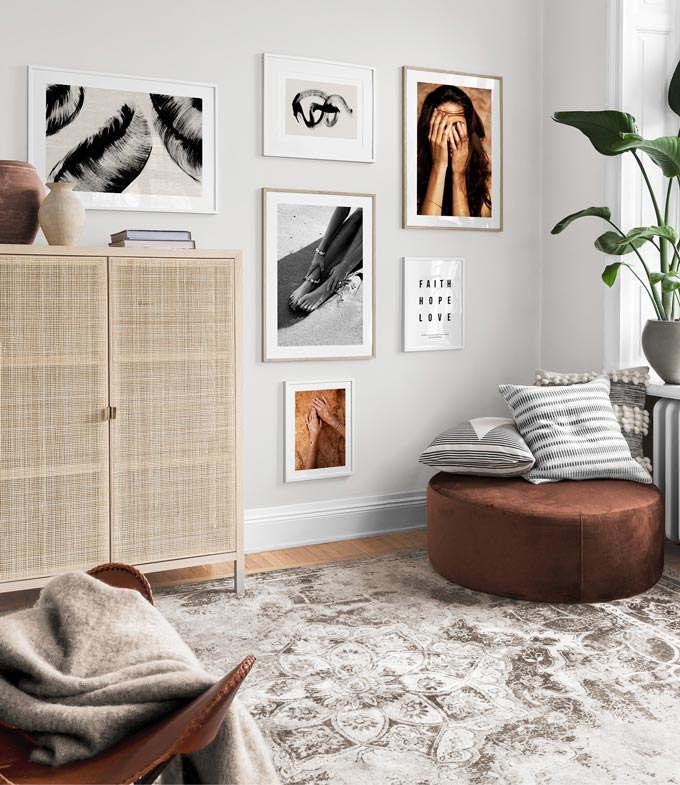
[(402, 400), (574, 77)]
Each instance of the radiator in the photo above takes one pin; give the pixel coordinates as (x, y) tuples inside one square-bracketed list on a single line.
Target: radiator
[(667, 461)]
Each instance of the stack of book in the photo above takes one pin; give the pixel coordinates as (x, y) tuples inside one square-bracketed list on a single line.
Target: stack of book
[(152, 238)]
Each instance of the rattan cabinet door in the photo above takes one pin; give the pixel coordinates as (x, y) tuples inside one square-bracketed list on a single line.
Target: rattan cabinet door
[(172, 385), (54, 484)]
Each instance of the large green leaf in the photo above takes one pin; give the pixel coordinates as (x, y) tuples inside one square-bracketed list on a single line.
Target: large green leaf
[(671, 282), (597, 212), (666, 232), (616, 245), (664, 151), (674, 91), (603, 128), (648, 232), (610, 272)]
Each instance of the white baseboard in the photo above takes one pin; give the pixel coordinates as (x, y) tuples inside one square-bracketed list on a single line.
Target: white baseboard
[(271, 528)]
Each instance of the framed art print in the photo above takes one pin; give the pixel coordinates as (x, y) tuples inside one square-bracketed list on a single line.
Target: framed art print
[(452, 150), (318, 109), (128, 143), (434, 294), (318, 274), (319, 423)]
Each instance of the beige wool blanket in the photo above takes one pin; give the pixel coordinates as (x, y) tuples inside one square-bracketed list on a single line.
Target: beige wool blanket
[(91, 664)]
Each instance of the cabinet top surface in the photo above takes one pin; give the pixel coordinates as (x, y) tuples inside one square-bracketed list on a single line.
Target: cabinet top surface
[(105, 250)]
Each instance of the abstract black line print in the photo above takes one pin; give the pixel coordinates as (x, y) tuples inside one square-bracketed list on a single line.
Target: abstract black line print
[(326, 112)]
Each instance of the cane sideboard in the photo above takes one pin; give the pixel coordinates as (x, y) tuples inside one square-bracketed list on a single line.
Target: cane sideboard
[(120, 417)]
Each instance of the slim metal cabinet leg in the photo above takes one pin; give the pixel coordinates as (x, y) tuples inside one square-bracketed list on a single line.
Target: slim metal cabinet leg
[(239, 575)]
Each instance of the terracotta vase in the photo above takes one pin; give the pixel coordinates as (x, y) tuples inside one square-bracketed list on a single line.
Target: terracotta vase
[(61, 215), (21, 193)]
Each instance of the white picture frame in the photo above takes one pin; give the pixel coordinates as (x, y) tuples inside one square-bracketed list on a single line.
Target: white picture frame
[(163, 184), (434, 303), (293, 226), (335, 118), (297, 440), (480, 90)]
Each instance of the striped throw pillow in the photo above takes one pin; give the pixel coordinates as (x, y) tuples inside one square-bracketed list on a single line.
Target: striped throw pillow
[(572, 432), (485, 445), (627, 392)]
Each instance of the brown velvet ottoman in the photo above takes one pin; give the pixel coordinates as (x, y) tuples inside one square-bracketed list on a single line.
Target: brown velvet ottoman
[(587, 541)]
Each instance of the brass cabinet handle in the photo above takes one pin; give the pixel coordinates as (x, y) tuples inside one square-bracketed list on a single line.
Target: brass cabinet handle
[(109, 413), (113, 412)]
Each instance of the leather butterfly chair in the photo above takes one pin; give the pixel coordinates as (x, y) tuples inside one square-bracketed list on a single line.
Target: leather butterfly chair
[(139, 758)]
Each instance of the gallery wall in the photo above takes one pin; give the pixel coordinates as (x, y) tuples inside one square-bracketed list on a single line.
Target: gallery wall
[(402, 400)]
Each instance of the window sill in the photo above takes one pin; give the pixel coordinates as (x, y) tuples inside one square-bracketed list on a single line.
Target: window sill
[(664, 390)]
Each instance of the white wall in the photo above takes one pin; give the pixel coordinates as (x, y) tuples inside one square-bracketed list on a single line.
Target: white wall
[(574, 77), (402, 399)]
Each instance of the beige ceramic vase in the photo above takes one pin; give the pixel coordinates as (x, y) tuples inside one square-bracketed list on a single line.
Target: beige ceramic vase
[(61, 215)]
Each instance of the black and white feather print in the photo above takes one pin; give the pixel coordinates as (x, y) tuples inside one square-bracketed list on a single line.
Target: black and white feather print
[(110, 159), (63, 104), (124, 141), (179, 123)]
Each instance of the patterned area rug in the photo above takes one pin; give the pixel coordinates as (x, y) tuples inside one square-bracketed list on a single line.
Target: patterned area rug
[(379, 671)]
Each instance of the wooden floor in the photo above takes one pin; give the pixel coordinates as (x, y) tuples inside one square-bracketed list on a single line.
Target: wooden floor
[(264, 562), (295, 557), (672, 558)]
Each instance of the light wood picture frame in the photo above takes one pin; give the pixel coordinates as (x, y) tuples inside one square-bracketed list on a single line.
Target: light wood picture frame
[(318, 273), (319, 429), (465, 189)]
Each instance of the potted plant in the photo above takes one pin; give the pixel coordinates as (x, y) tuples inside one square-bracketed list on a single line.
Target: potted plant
[(616, 133)]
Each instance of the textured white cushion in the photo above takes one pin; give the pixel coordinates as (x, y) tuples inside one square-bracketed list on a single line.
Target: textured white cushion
[(572, 432), (485, 445), (627, 392)]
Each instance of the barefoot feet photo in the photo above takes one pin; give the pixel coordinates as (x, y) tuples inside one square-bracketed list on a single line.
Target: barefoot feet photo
[(318, 272)]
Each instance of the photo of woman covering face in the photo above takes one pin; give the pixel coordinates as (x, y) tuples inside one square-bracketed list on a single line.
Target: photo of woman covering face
[(454, 145)]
